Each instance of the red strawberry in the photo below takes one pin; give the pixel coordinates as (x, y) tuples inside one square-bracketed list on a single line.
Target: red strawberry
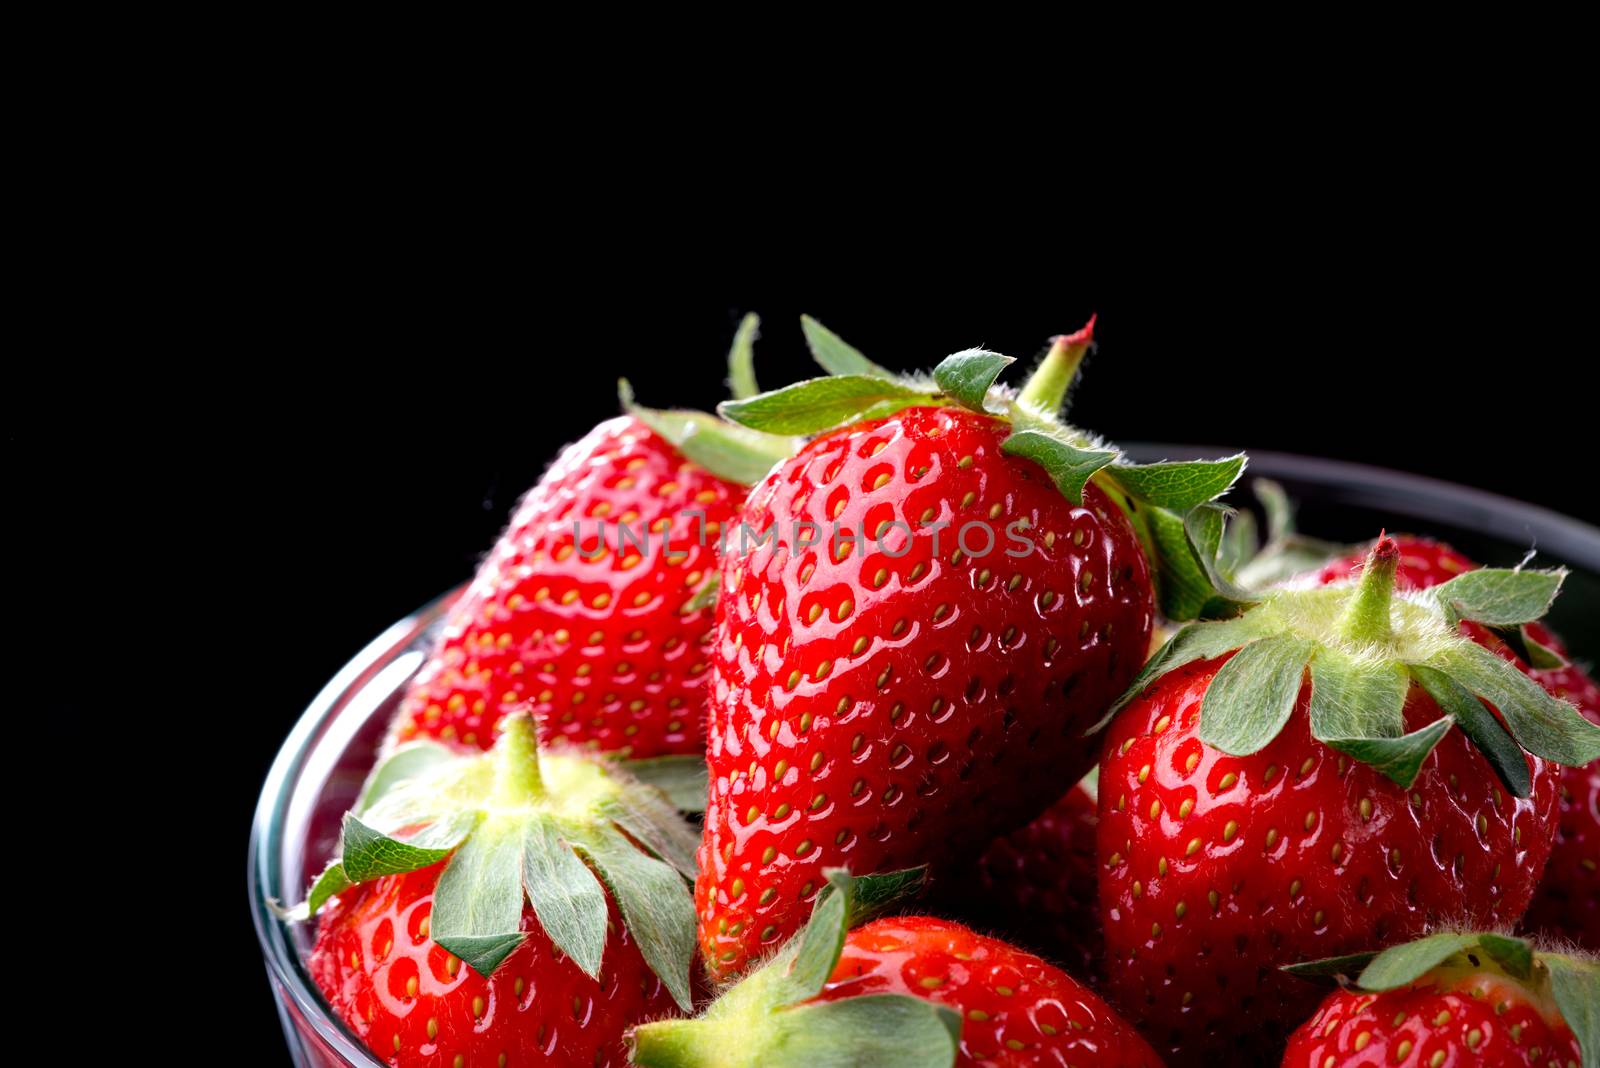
[(511, 908), (1289, 785), (871, 695), (897, 992), (587, 606), (414, 1002), (1452, 1000), (1568, 899), (1039, 884)]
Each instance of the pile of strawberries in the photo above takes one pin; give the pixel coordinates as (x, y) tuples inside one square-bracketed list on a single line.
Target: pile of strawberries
[(751, 724)]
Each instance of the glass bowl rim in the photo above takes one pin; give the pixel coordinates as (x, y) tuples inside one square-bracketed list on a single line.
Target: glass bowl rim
[(1405, 494)]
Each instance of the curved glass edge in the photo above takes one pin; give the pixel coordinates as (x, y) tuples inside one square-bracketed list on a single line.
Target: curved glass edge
[(285, 970)]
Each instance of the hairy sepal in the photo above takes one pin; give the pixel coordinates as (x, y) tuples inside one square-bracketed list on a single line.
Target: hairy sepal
[(768, 1019)]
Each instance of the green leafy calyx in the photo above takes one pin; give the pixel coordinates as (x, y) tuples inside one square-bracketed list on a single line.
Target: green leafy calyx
[(1158, 498), (1572, 982), (1363, 647), (770, 1020), (725, 449), (523, 827)]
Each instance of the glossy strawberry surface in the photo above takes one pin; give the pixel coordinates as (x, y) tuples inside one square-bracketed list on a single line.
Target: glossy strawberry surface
[(1016, 1010), (594, 633), (1216, 869), (417, 1006), (1450, 1018), (1038, 885), (880, 706), (1568, 900)]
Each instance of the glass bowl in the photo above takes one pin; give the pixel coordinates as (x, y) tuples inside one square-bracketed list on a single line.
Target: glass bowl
[(325, 759)]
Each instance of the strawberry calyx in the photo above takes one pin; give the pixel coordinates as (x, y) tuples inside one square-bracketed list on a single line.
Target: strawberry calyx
[(1364, 645), (768, 1019), (1559, 983), (551, 828), (725, 449), (1170, 505)]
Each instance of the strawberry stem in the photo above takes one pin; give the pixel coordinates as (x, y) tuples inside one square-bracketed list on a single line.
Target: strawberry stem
[(517, 781), (1366, 620), (1046, 390)]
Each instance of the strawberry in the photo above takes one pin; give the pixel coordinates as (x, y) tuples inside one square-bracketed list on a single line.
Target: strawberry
[(1568, 900), (948, 599), (1318, 775), (909, 991), (1451, 1000), (1039, 884), (510, 908), (588, 606)]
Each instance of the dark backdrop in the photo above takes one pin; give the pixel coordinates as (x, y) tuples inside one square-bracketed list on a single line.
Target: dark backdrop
[(374, 395)]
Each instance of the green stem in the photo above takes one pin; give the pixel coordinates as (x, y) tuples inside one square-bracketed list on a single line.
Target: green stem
[(682, 1044), (1366, 620), (517, 780), (1046, 390)]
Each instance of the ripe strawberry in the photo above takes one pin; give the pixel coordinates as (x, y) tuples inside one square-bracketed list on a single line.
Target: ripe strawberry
[(1568, 899), (1452, 1000), (587, 606), (1251, 818), (1039, 884), (511, 908), (897, 992), (949, 603), (412, 1000)]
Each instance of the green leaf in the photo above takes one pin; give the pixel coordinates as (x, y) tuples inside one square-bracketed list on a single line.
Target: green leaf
[(727, 451), (1330, 967), (333, 880), (409, 761), (873, 894), (819, 403), (330, 882), (1542, 724), (684, 779), (646, 814), (1514, 955), (1184, 583), (1068, 466), (1576, 986), (1480, 725), (477, 906), (1196, 641), (1401, 965), (1253, 694), (1397, 758), (1540, 656), (1357, 707), (1498, 597), (967, 376), (1179, 486), (1276, 506), (872, 1031), (706, 596), (1205, 527), (1239, 543), (565, 895), (742, 357), (654, 904), (369, 853), (836, 356), (820, 942)]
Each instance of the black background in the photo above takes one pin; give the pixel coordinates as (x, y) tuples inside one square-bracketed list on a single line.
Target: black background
[(364, 393)]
